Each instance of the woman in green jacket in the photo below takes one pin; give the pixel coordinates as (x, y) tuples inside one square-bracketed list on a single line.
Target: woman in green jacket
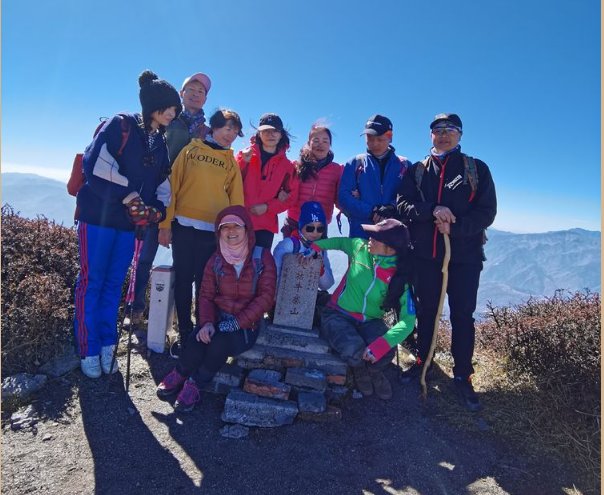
[(378, 280)]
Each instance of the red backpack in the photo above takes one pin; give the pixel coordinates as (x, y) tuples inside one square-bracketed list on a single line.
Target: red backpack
[(77, 178)]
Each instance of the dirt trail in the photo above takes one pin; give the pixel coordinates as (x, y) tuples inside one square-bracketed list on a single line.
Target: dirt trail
[(93, 438)]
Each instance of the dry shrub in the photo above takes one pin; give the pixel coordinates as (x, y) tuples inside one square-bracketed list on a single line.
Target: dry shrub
[(39, 268), (550, 351)]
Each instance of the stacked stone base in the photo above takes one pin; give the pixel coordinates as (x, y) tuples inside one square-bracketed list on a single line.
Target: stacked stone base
[(290, 373)]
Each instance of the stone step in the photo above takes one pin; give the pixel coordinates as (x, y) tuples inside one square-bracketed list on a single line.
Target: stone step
[(261, 356), (313, 332), (308, 378), (252, 410), (229, 376), (276, 337), (313, 402), (266, 383)]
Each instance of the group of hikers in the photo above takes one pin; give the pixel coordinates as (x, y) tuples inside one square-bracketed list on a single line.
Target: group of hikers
[(168, 176)]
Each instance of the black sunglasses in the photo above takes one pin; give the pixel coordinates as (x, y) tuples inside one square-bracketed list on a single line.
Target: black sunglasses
[(311, 228)]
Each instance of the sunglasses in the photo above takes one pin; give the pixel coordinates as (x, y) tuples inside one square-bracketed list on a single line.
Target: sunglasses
[(439, 131), (311, 228)]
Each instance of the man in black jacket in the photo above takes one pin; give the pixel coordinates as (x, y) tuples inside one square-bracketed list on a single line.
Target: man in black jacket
[(448, 193)]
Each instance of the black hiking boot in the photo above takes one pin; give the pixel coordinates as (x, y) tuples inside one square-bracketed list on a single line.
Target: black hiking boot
[(362, 380), (414, 373), (466, 393)]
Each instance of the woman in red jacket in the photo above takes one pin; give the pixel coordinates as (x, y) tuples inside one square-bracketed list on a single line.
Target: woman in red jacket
[(317, 177), (267, 173), (238, 287)]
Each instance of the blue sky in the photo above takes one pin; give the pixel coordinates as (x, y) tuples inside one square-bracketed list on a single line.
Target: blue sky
[(524, 75)]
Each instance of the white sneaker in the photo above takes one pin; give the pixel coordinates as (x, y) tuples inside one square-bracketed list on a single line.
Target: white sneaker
[(106, 358), (91, 366)]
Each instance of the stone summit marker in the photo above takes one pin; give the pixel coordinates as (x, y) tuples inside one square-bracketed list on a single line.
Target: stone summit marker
[(297, 292)]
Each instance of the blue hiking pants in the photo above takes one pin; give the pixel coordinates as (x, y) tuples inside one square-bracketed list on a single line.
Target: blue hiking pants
[(105, 254)]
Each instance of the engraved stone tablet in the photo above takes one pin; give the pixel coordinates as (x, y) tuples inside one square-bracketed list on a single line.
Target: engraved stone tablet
[(297, 292)]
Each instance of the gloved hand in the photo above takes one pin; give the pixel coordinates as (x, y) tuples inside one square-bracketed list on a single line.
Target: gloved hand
[(154, 215), (229, 325), (385, 211), (137, 211)]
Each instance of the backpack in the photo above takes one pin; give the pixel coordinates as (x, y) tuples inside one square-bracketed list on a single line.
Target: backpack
[(77, 178), (470, 174), (256, 259)]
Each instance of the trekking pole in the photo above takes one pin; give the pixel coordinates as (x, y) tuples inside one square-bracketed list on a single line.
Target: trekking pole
[(138, 246), (441, 302)]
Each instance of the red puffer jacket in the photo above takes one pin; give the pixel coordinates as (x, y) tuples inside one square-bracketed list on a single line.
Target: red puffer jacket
[(260, 188), (224, 291), (322, 188)]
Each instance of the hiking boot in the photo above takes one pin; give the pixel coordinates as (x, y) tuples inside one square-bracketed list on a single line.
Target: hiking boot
[(171, 384), (466, 393), (381, 385), (414, 373), (362, 380), (91, 366), (188, 397), (107, 359)]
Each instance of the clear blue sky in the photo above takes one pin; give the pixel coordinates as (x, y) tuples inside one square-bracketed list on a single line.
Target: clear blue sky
[(524, 75)]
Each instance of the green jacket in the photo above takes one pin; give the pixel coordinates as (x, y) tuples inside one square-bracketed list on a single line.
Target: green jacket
[(363, 288)]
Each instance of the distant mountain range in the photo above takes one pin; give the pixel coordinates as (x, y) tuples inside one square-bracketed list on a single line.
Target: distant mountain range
[(518, 266)]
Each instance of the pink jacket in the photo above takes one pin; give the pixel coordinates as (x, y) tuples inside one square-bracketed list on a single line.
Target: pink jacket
[(322, 188), (264, 188)]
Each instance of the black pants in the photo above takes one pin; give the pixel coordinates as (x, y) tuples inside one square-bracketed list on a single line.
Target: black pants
[(264, 238), (191, 249), (202, 361), (462, 290)]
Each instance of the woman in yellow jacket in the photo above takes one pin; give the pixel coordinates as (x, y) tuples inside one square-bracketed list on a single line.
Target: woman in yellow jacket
[(205, 179)]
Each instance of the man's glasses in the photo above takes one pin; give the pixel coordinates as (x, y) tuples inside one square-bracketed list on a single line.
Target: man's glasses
[(311, 228), (441, 131)]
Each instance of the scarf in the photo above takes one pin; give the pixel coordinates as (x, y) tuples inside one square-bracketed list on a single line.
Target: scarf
[(194, 121), (309, 167), (234, 254), (442, 155), (213, 144)]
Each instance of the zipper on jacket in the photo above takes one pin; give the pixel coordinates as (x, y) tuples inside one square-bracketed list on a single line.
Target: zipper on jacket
[(441, 181), (375, 267)]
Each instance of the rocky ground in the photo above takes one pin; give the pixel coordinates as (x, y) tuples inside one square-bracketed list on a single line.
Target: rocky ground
[(91, 437)]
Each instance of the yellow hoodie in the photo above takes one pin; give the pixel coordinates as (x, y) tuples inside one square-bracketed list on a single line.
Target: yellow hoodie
[(204, 180)]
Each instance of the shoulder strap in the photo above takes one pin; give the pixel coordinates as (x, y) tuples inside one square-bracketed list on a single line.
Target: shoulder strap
[(296, 243), (359, 166), (125, 125), (218, 267), (258, 265), (470, 172), (420, 169)]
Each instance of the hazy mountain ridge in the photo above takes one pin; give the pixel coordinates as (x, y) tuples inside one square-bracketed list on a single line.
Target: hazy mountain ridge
[(518, 265)]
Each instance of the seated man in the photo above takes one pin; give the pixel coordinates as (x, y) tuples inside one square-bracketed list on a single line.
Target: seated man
[(377, 280)]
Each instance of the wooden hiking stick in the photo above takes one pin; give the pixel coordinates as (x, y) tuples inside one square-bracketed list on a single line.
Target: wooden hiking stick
[(439, 312)]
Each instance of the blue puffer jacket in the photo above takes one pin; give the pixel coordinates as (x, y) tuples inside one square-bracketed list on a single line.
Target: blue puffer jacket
[(364, 176), (110, 178)]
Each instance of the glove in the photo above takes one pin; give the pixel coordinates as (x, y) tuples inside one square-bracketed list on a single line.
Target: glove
[(153, 215), (137, 211), (386, 211), (229, 325)]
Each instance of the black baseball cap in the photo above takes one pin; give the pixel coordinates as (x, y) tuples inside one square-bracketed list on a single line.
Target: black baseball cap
[(453, 118), (270, 121), (377, 125), (391, 232)]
